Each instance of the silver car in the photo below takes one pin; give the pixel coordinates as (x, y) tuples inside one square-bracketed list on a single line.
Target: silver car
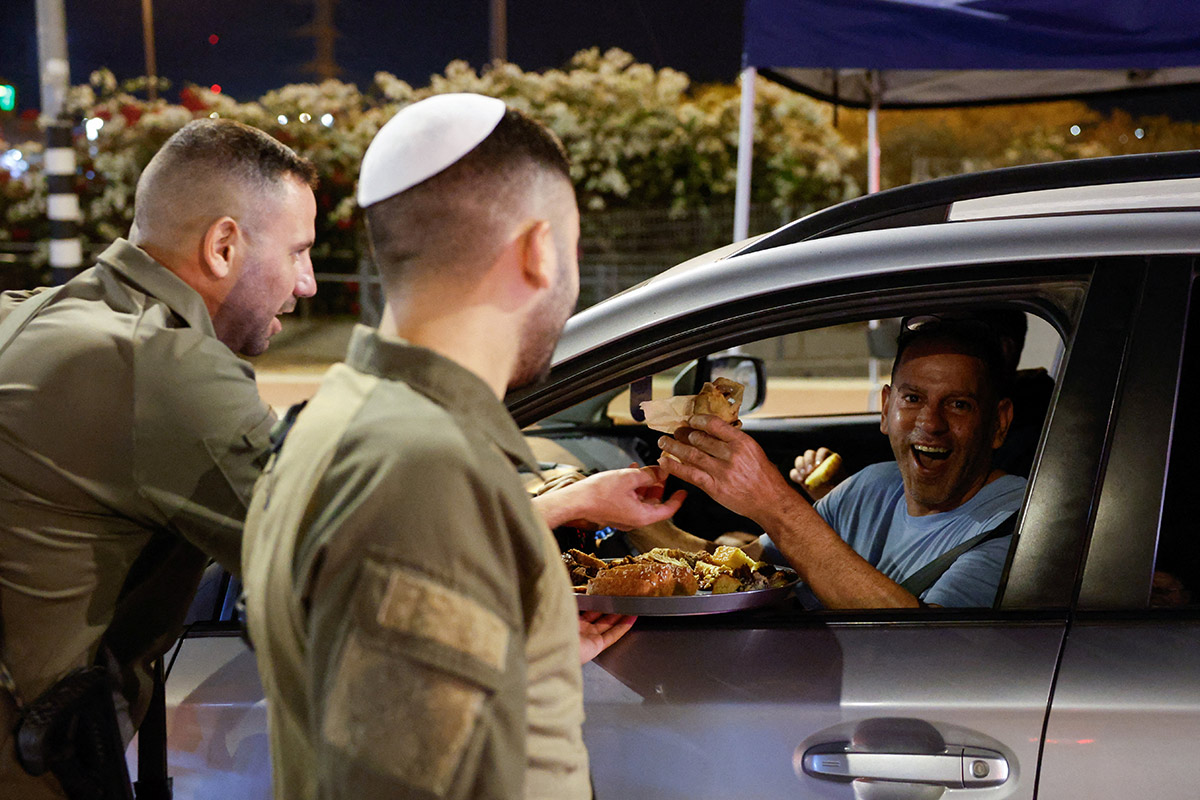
[(1083, 679)]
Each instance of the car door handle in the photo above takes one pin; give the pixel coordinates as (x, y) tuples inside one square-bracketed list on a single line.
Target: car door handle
[(954, 768)]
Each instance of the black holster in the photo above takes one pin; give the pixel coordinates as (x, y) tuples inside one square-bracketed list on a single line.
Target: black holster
[(72, 731)]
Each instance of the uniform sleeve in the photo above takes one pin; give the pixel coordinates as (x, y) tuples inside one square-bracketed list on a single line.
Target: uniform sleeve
[(416, 646), (202, 435), (973, 579)]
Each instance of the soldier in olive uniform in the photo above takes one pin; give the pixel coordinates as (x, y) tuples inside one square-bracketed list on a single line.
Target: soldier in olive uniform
[(414, 623), (130, 432)]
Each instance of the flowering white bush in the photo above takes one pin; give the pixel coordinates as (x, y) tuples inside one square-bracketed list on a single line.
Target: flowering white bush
[(637, 137), (645, 138)]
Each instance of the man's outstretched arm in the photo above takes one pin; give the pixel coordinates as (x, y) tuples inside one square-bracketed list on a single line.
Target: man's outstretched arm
[(620, 498), (730, 466)]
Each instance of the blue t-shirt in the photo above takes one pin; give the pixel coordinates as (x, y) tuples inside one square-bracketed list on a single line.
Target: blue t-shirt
[(868, 510)]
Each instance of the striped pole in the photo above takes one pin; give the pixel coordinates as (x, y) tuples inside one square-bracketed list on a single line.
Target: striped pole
[(62, 204), (66, 252)]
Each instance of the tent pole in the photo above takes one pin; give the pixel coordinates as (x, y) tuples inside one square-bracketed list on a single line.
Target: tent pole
[(745, 155), (873, 136)]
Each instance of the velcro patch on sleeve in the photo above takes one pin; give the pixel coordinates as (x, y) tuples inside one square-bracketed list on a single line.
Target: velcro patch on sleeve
[(415, 605), (400, 719)]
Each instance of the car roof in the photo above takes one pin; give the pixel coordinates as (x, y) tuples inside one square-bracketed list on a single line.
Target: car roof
[(1091, 207), (932, 202)]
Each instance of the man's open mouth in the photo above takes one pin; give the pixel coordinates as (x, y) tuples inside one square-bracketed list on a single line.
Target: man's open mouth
[(928, 456)]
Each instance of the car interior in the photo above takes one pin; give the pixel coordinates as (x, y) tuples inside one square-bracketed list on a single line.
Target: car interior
[(805, 389), (1176, 582)]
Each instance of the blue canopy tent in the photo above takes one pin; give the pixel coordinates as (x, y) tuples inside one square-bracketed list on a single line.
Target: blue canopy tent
[(935, 53)]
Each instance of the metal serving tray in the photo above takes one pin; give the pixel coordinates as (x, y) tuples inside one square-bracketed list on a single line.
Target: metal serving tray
[(702, 602)]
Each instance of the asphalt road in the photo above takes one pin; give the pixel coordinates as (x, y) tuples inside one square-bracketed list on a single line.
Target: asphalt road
[(292, 367)]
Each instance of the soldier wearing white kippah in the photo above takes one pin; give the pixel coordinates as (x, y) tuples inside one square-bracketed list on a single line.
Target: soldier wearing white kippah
[(414, 624)]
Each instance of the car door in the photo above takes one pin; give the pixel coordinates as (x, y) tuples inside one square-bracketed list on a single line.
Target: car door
[(782, 702), (216, 716), (1125, 717)]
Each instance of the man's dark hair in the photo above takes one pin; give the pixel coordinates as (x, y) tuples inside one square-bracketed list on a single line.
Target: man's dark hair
[(1011, 327), (452, 219), (208, 153), (975, 335), (233, 148), (516, 137)]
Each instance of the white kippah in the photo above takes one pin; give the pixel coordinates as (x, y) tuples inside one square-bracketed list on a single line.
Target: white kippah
[(422, 140)]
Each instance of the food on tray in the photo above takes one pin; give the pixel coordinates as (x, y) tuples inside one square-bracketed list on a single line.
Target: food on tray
[(726, 584), (720, 398), (664, 572), (824, 471), (645, 579)]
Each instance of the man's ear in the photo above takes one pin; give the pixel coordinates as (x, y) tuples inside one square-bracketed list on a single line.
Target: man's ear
[(535, 245), (219, 248), (884, 394), (1004, 417)]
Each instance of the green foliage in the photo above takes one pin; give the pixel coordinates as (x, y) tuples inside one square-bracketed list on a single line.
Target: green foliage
[(638, 138)]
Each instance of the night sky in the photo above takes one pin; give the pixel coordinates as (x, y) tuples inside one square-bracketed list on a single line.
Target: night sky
[(260, 46)]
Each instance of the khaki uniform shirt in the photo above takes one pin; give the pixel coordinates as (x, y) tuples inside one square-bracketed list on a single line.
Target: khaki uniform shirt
[(130, 439), (413, 622)]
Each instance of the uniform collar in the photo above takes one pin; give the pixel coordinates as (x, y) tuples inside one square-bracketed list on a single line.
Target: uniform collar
[(448, 384), (137, 267)]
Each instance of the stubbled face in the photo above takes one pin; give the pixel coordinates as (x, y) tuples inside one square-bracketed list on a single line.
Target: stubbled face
[(275, 270), (544, 325), (943, 423)]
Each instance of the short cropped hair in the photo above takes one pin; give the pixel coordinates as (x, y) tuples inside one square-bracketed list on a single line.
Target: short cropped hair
[(215, 150), (453, 220), (979, 336)]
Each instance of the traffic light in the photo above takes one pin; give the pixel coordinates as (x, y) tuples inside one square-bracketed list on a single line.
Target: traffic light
[(8, 97)]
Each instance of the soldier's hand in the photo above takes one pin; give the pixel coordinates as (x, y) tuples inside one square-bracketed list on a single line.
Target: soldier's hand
[(618, 498), (598, 630)]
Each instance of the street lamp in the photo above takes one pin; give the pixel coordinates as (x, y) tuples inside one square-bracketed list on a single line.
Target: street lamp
[(498, 30), (148, 39)]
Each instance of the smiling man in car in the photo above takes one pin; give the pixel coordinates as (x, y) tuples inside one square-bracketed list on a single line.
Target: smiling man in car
[(930, 528)]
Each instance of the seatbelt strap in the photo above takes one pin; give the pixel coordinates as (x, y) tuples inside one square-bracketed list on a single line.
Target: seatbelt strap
[(922, 579)]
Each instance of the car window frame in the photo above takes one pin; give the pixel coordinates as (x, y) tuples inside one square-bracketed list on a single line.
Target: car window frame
[(1033, 286), (1123, 543)]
